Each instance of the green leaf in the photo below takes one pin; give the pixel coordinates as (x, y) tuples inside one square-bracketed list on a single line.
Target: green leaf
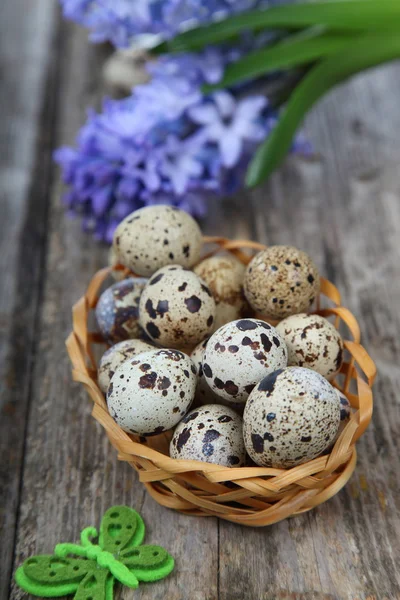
[(293, 52), (368, 51), (339, 15)]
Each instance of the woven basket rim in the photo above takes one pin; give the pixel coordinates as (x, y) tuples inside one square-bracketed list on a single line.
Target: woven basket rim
[(264, 495)]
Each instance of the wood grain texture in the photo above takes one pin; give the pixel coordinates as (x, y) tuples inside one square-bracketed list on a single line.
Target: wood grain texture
[(342, 206), (26, 112)]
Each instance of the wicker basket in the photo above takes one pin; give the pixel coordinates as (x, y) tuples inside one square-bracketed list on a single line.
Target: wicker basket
[(254, 496)]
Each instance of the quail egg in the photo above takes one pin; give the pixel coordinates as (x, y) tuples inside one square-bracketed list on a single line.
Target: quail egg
[(345, 407), (151, 392), (211, 433), (224, 276), (281, 281), (176, 308), (239, 355), (155, 236), (291, 417), (312, 342), (204, 394), (117, 311), (345, 412), (117, 354)]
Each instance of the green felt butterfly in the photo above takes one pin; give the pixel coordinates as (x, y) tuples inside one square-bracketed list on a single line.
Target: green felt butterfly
[(117, 556)]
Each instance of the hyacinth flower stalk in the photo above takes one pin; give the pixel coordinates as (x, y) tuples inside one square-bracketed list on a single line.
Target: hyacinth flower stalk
[(331, 40), (169, 141)]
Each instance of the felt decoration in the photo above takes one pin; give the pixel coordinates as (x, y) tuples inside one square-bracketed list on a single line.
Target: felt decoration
[(89, 570)]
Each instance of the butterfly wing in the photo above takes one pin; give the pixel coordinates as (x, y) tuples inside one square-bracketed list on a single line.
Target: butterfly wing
[(49, 576), (121, 527), (97, 584), (147, 563)]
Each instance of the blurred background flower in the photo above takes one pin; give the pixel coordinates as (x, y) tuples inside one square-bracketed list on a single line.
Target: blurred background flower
[(168, 141), (121, 21)]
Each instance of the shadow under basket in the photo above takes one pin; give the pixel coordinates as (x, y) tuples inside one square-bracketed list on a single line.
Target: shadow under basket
[(253, 496)]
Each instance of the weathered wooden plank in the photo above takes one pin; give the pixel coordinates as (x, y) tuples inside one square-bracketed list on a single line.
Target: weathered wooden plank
[(71, 474), (343, 208), (25, 65)]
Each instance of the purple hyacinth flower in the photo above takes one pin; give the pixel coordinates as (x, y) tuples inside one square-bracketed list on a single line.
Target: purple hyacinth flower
[(167, 98), (179, 163), (229, 123)]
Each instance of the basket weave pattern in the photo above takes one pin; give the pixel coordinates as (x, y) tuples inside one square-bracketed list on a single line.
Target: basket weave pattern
[(254, 496)]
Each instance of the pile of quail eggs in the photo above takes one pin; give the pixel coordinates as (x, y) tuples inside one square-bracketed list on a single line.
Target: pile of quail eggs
[(192, 348)]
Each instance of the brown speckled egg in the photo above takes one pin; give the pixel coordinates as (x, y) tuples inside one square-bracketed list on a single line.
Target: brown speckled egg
[(224, 276), (116, 355), (312, 342), (155, 236), (151, 392), (176, 308), (204, 394), (213, 434), (281, 281), (345, 407), (239, 355), (345, 412), (117, 311), (291, 417)]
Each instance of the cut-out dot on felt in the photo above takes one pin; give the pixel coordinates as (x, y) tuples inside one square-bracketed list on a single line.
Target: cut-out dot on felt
[(114, 530), (76, 568), (132, 553), (155, 553), (52, 573), (57, 563), (114, 515), (32, 561), (129, 526)]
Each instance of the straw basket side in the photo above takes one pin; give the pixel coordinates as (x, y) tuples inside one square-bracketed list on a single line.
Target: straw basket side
[(253, 496)]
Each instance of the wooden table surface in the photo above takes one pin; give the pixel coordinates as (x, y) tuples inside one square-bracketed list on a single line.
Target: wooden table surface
[(58, 470)]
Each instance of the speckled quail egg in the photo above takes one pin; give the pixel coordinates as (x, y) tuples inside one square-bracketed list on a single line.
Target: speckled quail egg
[(239, 355), (176, 308), (224, 276), (211, 433), (155, 236), (345, 412), (204, 394), (345, 407), (312, 342), (151, 392), (281, 281), (291, 416), (117, 311), (117, 354)]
